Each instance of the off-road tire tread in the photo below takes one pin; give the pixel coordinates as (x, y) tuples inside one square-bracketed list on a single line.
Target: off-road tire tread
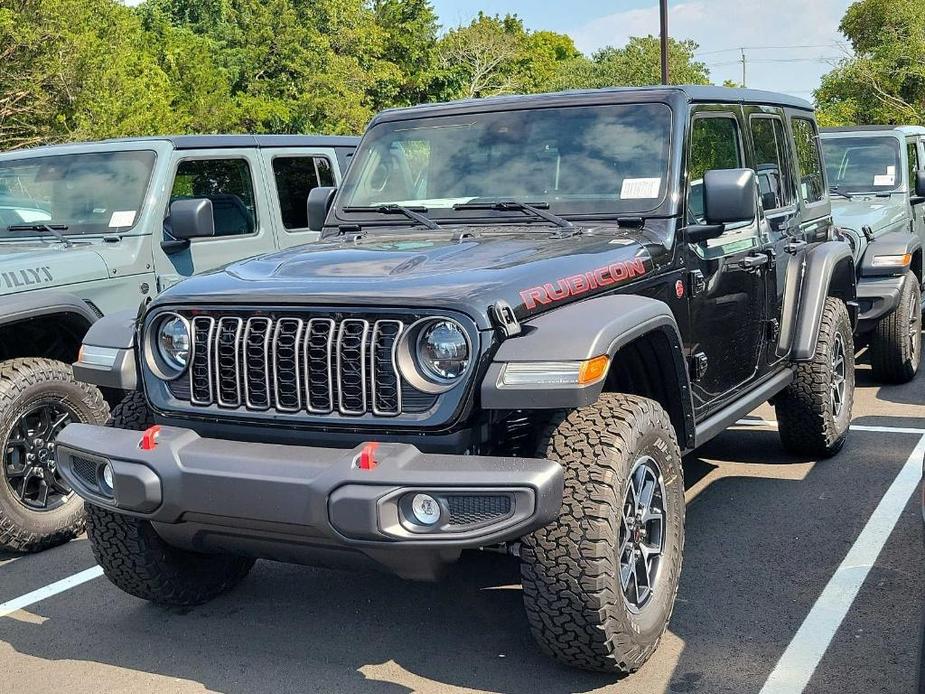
[(805, 426), (138, 561), (15, 376), (890, 355), (574, 614)]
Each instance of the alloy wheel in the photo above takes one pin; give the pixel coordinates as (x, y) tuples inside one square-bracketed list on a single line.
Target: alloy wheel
[(642, 533), (838, 386), (29, 464)]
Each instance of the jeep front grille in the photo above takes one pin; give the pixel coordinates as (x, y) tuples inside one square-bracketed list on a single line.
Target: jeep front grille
[(292, 364)]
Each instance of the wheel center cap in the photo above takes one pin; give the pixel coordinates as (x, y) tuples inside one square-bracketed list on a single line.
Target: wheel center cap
[(43, 455)]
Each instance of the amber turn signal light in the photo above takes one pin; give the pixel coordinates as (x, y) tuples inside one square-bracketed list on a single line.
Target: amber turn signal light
[(593, 370)]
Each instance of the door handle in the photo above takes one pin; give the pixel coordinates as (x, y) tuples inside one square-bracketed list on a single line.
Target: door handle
[(795, 246), (754, 261)]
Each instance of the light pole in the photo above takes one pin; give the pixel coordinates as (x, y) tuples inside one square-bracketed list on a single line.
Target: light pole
[(663, 15)]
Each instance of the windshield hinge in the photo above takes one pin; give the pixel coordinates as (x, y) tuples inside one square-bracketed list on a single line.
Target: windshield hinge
[(503, 316)]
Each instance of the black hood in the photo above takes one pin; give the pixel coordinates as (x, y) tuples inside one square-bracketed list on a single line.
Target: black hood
[(532, 270)]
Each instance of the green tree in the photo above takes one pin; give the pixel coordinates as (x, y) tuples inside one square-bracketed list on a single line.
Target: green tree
[(498, 55), (76, 69), (884, 80), (638, 63)]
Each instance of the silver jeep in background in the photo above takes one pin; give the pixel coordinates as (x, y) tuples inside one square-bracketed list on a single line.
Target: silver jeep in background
[(877, 186), (88, 230)]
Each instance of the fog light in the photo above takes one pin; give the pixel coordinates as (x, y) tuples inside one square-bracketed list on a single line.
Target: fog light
[(107, 477), (425, 508)]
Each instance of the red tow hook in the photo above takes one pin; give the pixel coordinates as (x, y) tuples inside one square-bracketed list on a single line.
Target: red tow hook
[(149, 438), (367, 458)]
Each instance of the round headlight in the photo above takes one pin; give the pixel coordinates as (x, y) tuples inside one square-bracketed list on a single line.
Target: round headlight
[(173, 342), (443, 350)]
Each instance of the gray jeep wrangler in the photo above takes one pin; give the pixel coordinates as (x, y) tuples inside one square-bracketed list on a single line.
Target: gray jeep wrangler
[(877, 185), (521, 313), (87, 230)]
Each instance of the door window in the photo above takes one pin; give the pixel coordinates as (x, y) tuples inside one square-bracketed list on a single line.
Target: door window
[(295, 177), (771, 166), (228, 184), (812, 182), (913, 163), (715, 144)]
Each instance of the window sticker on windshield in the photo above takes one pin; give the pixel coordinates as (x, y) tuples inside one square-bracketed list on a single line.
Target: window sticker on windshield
[(639, 188), (122, 218), (885, 180), (891, 171)]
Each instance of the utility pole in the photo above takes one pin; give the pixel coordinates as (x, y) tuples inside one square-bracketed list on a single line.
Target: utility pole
[(743, 66), (663, 15)]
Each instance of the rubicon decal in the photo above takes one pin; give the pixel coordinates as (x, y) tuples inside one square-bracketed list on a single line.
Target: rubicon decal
[(576, 285)]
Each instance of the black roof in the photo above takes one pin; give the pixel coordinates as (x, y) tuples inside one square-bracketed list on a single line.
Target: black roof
[(692, 93), (857, 128), (239, 141)]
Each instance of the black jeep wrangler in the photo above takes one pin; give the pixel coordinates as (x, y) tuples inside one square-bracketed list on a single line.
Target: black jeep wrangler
[(521, 313)]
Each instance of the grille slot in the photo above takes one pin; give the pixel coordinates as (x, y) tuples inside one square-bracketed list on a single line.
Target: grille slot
[(200, 372), (287, 342), (256, 366), (351, 366), (471, 509), (227, 361), (386, 382), (338, 365)]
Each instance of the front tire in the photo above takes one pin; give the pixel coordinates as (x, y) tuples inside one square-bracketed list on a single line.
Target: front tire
[(138, 561), (599, 583), (38, 398), (896, 343), (814, 412)]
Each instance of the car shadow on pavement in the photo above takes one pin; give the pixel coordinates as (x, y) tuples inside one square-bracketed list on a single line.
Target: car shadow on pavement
[(290, 628)]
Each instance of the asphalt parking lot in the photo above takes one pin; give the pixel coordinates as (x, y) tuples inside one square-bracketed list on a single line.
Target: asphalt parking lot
[(778, 551)]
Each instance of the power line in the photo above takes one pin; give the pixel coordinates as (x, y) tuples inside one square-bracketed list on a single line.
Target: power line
[(767, 48)]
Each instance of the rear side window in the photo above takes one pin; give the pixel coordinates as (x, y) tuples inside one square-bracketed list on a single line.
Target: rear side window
[(295, 177), (714, 145), (913, 162), (771, 165), (228, 184), (812, 181)]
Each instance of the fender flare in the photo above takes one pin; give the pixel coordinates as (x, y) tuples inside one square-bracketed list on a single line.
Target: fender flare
[(580, 331), (27, 305), (828, 270), (110, 362), (895, 243)]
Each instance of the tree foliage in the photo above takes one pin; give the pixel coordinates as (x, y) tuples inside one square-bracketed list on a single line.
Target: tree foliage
[(884, 80), (88, 69)]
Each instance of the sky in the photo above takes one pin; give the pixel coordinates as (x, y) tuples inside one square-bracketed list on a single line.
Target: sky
[(799, 39)]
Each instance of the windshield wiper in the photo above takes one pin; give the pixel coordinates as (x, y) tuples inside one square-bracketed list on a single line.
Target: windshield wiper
[(53, 229), (413, 213), (536, 209), (836, 191)]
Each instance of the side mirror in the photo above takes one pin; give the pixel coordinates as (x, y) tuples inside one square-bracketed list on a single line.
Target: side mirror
[(730, 196), (919, 188), (319, 203), (191, 219)]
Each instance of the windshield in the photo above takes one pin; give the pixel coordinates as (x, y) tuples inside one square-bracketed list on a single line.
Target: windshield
[(90, 193), (863, 164), (579, 160)]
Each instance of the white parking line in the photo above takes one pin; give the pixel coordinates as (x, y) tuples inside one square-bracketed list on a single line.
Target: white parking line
[(805, 651), (35, 596), (757, 422)]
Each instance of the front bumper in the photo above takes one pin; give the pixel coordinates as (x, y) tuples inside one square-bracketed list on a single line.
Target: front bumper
[(308, 504)]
